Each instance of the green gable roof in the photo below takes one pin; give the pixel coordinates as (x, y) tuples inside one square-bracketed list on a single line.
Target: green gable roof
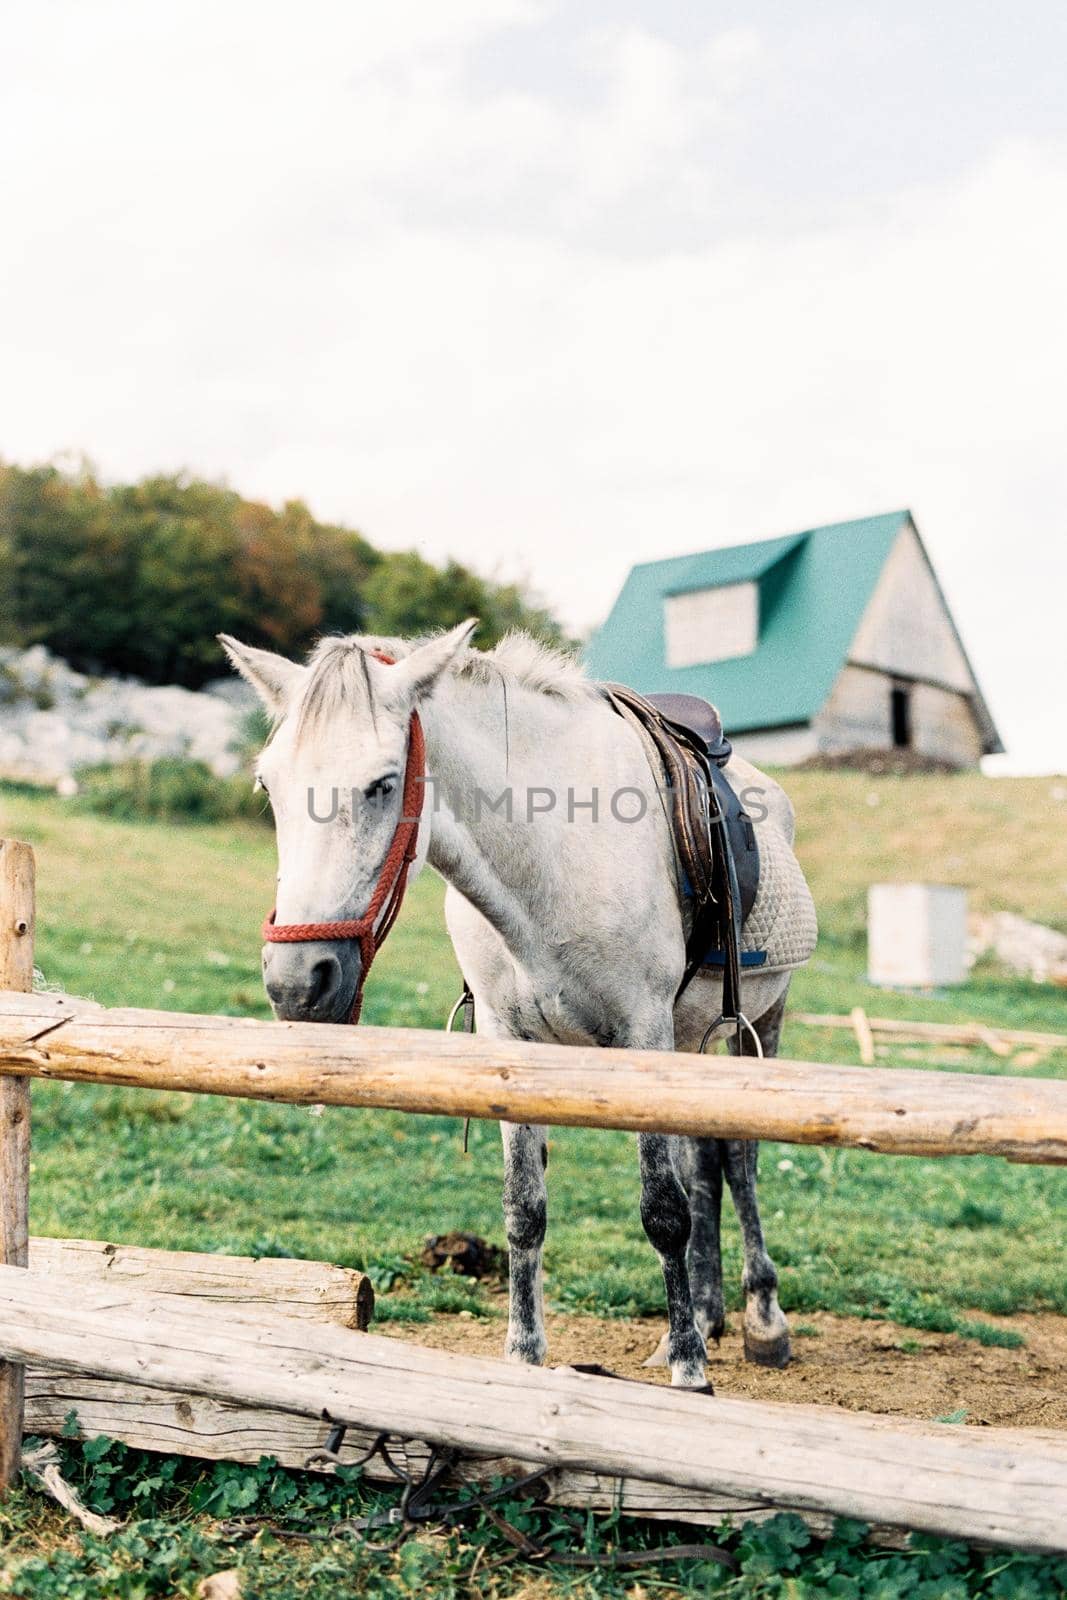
[(813, 590)]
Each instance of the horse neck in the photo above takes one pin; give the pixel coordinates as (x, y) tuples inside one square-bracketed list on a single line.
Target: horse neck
[(507, 868)]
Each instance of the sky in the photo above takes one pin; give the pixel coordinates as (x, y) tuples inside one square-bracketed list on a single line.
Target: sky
[(557, 287)]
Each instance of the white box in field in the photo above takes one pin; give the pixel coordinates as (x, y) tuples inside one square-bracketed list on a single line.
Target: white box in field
[(916, 935)]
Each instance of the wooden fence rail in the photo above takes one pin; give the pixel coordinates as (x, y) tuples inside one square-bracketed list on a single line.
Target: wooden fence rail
[(406, 1069)]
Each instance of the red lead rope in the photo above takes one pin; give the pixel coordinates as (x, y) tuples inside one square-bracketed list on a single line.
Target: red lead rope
[(392, 880)]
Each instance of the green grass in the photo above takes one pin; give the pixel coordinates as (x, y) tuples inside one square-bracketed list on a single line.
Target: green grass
[(1004, 839), (183, 1521), (147, 915)]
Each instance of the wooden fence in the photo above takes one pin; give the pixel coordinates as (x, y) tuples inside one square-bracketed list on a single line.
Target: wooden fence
[(999, 1485)]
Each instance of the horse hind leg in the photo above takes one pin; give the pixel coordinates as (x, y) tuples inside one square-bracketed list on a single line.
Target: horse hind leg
[(766, 1332), (699, 1166), (666, 1218)]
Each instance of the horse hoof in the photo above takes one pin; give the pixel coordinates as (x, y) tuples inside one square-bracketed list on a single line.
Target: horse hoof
[(694, 1380), (658, 1358), (526, 1352), (773, 1352)]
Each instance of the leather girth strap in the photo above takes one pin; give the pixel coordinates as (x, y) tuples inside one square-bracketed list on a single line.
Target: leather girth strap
[(715, 844)]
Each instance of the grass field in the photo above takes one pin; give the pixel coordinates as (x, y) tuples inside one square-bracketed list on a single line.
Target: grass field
[(169, 917), (147, 915)]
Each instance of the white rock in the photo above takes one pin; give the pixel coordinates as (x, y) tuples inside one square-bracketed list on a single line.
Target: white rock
[(1025, 947), (54, 721)]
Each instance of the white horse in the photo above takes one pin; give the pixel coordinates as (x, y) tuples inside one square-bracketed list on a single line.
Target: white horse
[(563, 906)]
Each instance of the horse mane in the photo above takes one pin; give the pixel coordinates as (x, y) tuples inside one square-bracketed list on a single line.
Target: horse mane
[(531, 665), (339, 677)]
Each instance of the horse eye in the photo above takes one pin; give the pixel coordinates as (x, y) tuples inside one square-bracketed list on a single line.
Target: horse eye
[(381, 788), (261, 786)]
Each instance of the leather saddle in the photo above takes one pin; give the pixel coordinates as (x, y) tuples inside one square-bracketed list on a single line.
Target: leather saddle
[(698, 718), (715, 841)]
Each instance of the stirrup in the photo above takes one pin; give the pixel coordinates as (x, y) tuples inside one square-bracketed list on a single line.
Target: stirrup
[(738, 1022)]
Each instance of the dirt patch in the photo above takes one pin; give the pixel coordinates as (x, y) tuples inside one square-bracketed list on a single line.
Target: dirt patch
[(903, 763), (465, 1253), (844, 1361)]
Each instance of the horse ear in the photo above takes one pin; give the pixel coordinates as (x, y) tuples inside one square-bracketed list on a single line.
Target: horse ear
[(418, 672), (272, 677)]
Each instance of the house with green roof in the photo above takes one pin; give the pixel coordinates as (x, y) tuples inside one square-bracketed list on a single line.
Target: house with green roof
[(833, 640)]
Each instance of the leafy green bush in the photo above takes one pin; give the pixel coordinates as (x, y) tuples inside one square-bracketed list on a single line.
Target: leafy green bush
[(169, 789)]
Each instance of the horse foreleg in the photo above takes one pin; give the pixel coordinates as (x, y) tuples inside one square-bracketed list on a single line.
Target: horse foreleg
[(766, 1332), (525, 1220)]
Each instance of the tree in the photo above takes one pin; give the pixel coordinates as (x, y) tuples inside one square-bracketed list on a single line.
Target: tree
[(139, 578), (405, 594), (65, 568)]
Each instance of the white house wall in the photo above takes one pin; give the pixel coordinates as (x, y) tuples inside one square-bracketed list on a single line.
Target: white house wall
[(906, 628), (776, 747), (857, 716), (713, 624), (943, 724)]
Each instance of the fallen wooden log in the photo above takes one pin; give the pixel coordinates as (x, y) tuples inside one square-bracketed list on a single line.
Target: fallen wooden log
[(894, 1110), (218, 1430), (966, 1483), (174, 1420), (315, 1291), (942, 1032)]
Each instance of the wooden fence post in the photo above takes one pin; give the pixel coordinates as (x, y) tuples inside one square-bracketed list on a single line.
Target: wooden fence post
[(17, 908)]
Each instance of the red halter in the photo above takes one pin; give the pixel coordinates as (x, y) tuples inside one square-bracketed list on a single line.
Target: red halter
[(392, 880)]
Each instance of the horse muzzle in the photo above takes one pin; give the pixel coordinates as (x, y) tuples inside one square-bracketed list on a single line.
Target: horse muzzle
[(316, 981)]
